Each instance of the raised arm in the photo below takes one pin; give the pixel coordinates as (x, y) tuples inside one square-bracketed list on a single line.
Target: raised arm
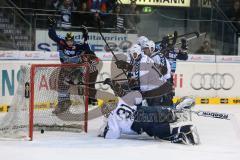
[(52, 32), (53, 35)]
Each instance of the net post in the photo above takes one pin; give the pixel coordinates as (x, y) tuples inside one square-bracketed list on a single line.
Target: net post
[(31, 101), (86, 99)]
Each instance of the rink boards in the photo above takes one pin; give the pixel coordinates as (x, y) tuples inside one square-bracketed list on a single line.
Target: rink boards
[(208, 82)]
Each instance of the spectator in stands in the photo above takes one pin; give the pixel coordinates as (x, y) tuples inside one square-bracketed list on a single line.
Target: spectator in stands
[(234, 14), (97, 5), (110, 5), (133, 18), (117, 20), (205, 48), (83, 16), (65, 9)]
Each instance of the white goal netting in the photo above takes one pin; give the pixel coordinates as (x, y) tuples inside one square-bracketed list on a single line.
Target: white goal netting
[(48, 97)]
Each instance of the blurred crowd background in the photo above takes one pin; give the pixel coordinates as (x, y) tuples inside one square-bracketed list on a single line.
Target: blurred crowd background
[(218, 18)]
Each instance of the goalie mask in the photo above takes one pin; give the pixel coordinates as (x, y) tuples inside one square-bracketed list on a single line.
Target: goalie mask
[(135, 51)]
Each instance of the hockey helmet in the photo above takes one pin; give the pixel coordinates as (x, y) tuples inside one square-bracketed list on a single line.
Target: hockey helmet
[(135, 51), (69, 37), (141, 40), (150, 45)]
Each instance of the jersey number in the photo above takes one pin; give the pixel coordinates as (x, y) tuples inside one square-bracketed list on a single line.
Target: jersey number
[(125, 112)]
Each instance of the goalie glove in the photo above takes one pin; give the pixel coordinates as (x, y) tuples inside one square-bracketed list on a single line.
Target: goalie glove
[(185, 103)]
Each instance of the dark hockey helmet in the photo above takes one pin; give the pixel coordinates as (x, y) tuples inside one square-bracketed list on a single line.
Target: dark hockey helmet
[(69, 37)]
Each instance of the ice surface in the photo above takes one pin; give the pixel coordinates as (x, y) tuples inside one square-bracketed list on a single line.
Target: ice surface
[(219, 141)]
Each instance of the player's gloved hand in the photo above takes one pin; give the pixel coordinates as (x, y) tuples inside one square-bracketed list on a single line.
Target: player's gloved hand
[(185, 103), (67, 81), (184, 44), (123, 65), (84, 32), (52, 22), (108, 81), (132, 82)]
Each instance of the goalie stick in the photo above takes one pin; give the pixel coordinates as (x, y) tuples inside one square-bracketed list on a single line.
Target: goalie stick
[(212, 114), (224, 116)]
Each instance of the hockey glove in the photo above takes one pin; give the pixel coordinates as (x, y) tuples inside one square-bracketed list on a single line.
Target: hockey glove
[(52, 22), (184, 44), (84, 32), (123, 65), (108, 81)]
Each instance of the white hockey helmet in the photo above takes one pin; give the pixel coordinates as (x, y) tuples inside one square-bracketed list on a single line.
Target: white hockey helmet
[(141, 40), (135, 51), (148, 48), (152, 46)]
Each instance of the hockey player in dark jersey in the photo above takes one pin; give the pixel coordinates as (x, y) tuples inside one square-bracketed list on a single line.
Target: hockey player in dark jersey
[(172, 53), (71, 52)]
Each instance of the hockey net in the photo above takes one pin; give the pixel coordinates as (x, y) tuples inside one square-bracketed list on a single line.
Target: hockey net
[(45, 100)]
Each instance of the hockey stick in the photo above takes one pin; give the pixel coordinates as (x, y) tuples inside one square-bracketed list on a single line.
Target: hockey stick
[(212, 114), (194, 37), (179, 36), (100, 32), (225, 116), (81, 83)]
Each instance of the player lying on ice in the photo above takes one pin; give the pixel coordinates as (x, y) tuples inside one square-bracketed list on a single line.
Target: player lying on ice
[(159, 122)]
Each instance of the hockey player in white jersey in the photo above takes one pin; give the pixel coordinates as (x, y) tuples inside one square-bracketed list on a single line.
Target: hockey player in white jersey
[(143, 75), (161, 62), (157, 122), (162, 66)]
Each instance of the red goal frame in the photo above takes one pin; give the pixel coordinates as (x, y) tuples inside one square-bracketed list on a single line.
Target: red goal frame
[(31, 101)]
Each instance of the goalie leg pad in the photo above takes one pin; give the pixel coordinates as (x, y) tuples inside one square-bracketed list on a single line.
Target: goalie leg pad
[(185, 133)]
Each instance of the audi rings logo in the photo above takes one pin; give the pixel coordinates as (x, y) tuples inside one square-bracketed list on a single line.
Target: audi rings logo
[(214, 81)]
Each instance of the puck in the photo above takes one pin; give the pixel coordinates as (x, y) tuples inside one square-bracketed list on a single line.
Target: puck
[(42, 131)]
